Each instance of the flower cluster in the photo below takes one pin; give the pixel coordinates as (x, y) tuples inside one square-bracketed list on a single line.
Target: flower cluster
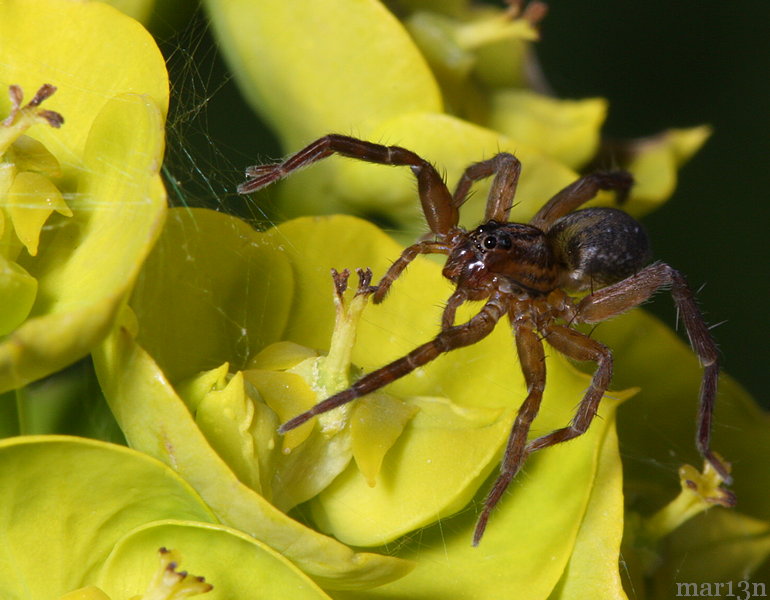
[(205, 334)]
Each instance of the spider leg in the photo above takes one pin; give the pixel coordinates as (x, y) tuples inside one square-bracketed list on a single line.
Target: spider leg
[(440, 213), (506, 168), (579, 347), (455, 300), (407, 256), (480, 326), (532, 359), (574, 345), (634, 290), (580, 192)]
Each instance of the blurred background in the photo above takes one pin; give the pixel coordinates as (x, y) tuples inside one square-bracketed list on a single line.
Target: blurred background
[(660, 63)]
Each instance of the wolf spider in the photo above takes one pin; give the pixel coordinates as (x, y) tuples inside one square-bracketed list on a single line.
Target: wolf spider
[(530, 273)]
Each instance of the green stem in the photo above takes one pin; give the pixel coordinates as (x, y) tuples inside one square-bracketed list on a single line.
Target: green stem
[(22, 414)]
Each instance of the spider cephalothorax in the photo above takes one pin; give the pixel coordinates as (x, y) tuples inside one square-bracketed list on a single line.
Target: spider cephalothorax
[(525, 271), (496, 254)]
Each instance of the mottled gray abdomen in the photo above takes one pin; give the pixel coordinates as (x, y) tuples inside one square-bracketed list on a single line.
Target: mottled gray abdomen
[(598, 246)]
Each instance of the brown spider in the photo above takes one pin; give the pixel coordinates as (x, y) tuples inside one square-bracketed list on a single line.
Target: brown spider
[(528, 272)]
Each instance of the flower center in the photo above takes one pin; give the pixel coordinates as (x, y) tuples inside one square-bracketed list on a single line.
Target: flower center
[(26, 166)]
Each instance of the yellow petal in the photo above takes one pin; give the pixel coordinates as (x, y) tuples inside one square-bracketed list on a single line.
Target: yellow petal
[(376, 422), (226, 417), (567, 130), (433, 470), (221, 273), (18, 290), (303, 65), (281, 356), (532, 535), (80, 60), (592, 571), (235, 564), (109, 149), (85, 272), (655, 161), (193, 390), (31, 155), (89, 592), (31, 200), (308, 459), (141, 10), (288, 395)]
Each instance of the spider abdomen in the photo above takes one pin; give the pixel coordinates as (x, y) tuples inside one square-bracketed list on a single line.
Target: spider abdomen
[(598, 246)]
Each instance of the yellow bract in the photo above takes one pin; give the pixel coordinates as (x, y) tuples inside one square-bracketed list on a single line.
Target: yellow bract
[(84, 201), (90, 592), (296, 60), (376, 422), (31, 199)]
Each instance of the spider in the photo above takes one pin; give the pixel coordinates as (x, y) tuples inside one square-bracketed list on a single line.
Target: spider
[(565, 267)]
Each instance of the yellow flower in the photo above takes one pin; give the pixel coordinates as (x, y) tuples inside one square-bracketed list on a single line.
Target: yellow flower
[(81, 203), (230, 326)]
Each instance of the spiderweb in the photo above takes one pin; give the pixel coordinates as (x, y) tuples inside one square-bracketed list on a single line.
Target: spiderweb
[(212, 133)]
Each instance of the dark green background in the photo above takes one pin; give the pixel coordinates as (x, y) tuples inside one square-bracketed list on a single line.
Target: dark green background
[(661, 64)]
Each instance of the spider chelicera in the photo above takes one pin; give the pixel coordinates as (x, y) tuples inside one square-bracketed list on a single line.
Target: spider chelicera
[(536, 273)]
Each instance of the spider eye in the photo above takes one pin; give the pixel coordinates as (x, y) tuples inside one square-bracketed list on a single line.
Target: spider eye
[(504, 242), (489, 242)]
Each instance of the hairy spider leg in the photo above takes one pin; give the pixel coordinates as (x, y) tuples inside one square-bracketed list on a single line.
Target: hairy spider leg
[(632, 291), (407, 256), (476, 329), (506, 168), (581, 191), (532, 359), (581, 348), (458, 297), (436, 200)]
